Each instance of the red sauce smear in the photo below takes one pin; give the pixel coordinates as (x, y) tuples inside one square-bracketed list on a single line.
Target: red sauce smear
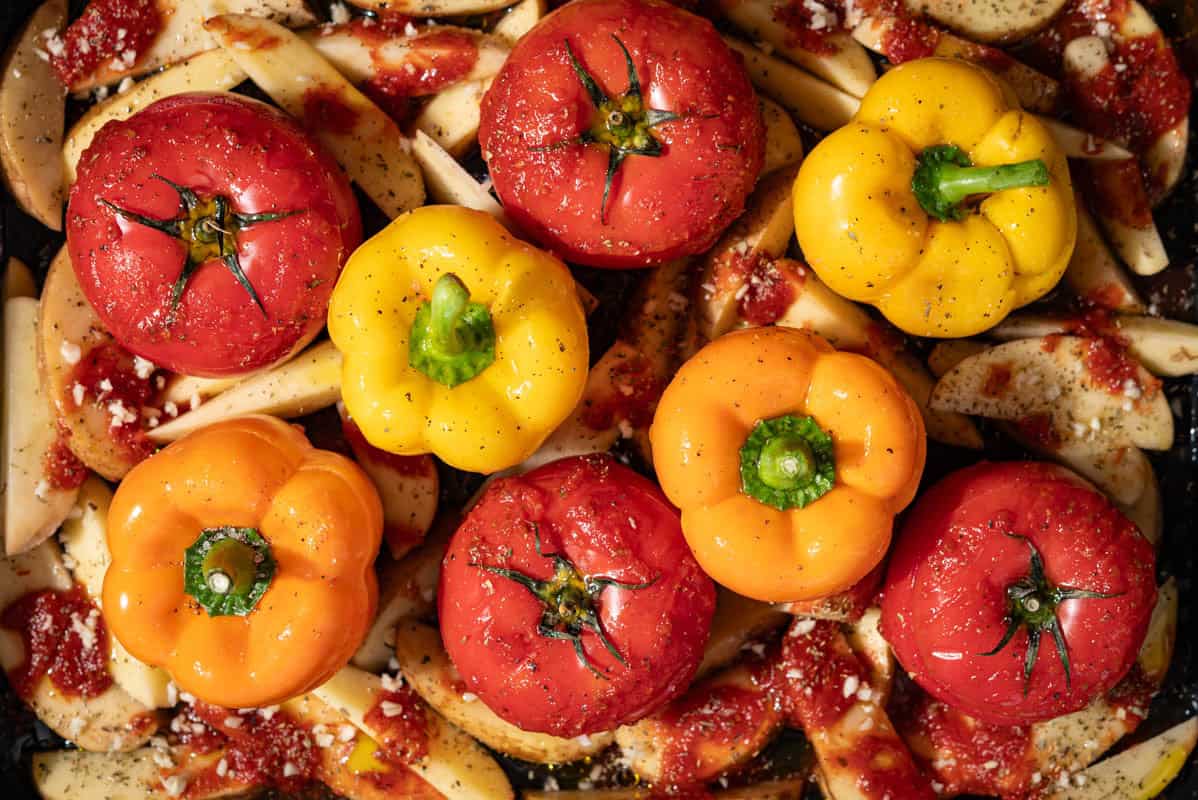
[(906, 37), (1107, 359), (324, 111), (261, 751), (1133, 694), (885, 771), (964, 747), (722, 716), (770, 288), (108, 377), (62, 468), (998, 379), (634, 396), (1039, 430), (1116, 191), (400, 721), (849, 604), (404, 465), (816, 666), (1109, 295), (379, 28), (107, 29), (65, 640), (809, 27)]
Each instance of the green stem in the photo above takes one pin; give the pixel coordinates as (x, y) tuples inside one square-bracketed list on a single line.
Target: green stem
[(944, 177), (452, 339), (227, 570), (787, 462)]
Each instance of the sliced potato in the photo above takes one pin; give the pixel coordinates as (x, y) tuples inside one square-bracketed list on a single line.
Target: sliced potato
[(1027, 377), (18, 281), (362, 56), (132, 775), (211, 71), (813, 101), (109, 721), (456, 765), (985, 21), (182, 34), (452, 117), (408, 487), (847, 66), (428, 670), (1165, 159), (737, 622), (1079, 144), (435, 8), (948, 353), (1157, 651), (67, 322), (183, 389), (865, 637), (1095, 275), (307, 383), (785, 789), (84, 536), (32, 110), (33, 508), (783, 145), (1138, 773), (519, 20), (449, 182), (655, 741), (372, 150)]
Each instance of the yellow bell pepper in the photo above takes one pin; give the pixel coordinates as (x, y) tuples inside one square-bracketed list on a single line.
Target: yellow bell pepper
[(458, 339), (941, 203)]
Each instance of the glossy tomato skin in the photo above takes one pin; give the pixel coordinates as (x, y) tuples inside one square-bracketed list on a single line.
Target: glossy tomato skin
[(660, 207), (612, 523), (214, 144), (944, 600)]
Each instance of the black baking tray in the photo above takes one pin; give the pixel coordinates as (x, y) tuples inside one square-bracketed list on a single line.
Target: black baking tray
[(1173, 292)]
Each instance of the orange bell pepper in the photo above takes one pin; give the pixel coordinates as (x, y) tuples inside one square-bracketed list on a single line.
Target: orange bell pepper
[(788, 460), (243, 562)]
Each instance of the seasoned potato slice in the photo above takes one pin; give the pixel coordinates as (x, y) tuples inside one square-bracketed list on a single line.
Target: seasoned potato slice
[(813, 101), (1095, 275), (435, 8), (520, 19), (32, 108), (1138, 773), (783, 145), (452, 117), (133, 775), (987, 21)]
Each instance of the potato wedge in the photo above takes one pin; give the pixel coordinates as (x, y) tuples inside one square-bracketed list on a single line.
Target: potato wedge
[(428, 670), (519, 20), (1081, 145), (985, 21), (132, 775), (18, 281), (847, 66), (950, 352), (407, 590), (1095, 275), (33, 507), (372, 150), (1157, 651), (448, 182), (1165, 159), (456, 765), (182, 34), (783, 145), (813, 101), (211, 71), (407, 485), (84, 536), (737, 622), (183, 389), (784, 789), (109, 721), (361, 57), (865, 637), (66, 321), (1027, 377), (452, 117), (307, 383), (435, 8), (1138, 773), (32, 110), (656, 741)]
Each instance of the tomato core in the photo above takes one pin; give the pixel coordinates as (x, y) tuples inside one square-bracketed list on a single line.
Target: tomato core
[(228, 570)]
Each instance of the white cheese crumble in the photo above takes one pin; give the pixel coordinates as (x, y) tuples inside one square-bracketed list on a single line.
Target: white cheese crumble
[(71, 352)]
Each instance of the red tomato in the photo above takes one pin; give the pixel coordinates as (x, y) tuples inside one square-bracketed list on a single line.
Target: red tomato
[(550, 143), (625, 611), (174, 297), (963, 576)]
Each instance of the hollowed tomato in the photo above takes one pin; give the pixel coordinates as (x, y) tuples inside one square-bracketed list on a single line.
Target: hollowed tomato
[(622, 133), (1016, 592), (569, 601), (207, 231)]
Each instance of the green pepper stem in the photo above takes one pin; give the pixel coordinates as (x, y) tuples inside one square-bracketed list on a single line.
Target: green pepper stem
[(787, 462), (452, 339), (227, 570), (944, 177)]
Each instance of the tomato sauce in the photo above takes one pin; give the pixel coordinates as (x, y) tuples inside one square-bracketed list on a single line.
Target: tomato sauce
[(325, 111), (1038, 429), (717, 716), (884, 770), (970, 756), (809, 25), (276, 752), (635, 396), (771, 286), (998, 380), (816, 672), (65, 640), (109, 379), (400, 720), (1107, 358), (1116, 191), (1133, 695), (62, 468), (120, 30)]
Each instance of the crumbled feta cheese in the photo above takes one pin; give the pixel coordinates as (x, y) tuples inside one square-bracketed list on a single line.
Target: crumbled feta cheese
[(175, 785), (802, 627), (346, 733), (194, 402), (71, 352), (75, 727), (338, 13), (391, 709), (851, 684), (410, 30), (42, 490), (793, 674), (162, 759), (69, 562), (78, 393), (143, 367), (170, 409), (469, 697), (234, 722), (324, 740), (392, 683), (105, 386), (393, 664), (268, 713), (222, 768), (992, 764), (290, 770), (125, 85)]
